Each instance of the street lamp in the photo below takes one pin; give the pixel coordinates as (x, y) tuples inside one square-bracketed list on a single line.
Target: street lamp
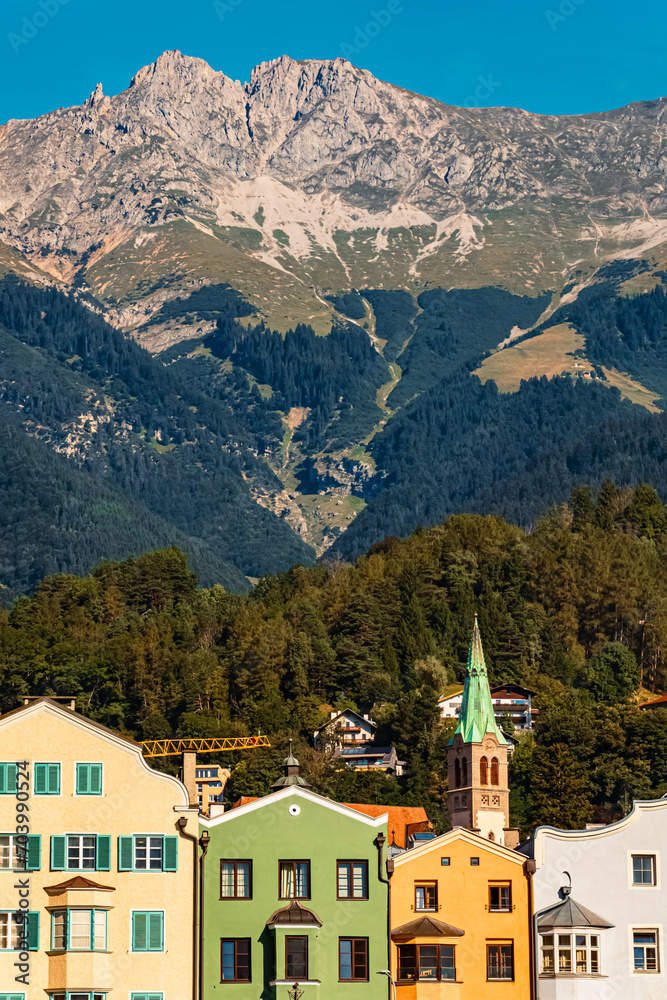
[(387, 973)]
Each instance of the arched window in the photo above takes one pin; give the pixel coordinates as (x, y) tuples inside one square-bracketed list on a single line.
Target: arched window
[(464, 771), (492, 836), (484, 771), (457, 773), (494, 771)]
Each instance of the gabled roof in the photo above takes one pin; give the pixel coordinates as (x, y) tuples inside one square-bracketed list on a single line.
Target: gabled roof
[(293, 913), (399, 819), (569, 913), (452, 694), (474, 840), (477, 717), (293, 791), (425, 926), (349, 711), (47, 705)]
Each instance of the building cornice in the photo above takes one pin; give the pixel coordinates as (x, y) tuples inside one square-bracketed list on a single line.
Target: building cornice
[(459, 833), (639, 806), (293, 791)]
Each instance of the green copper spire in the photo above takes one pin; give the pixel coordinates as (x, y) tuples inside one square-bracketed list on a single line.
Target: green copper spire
[(477, 718)]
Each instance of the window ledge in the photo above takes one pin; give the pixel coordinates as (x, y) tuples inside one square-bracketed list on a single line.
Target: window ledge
[(572, 975), (78, 951), (301, 982)]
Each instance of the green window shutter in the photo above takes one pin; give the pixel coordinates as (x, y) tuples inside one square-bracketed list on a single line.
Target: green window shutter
[(95, 779), (125, 854), (7, 779), (33, 859), (155, 931), (103, 854), (53, 779), (82, 779), (88, 779), (12, 996), (47, 779), (58, 853), (32, 931), (139, 935), (40, 779), (170, 854)]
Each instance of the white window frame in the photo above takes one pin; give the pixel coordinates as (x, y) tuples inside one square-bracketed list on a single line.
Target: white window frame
[(658, 928), (147, 837), (80, 837), (15, 864), (648, 852), (573, 933), (11, 924)]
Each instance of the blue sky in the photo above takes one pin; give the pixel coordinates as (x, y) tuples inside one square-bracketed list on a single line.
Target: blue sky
[(550, 56)]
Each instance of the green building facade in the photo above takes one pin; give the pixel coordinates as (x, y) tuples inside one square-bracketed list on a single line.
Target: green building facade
[(292, 893)]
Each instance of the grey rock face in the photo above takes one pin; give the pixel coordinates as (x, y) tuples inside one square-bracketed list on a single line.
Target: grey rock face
[(324, 146)]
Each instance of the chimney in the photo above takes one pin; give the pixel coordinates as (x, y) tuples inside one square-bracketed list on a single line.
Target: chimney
[(189, 776), (216, 809)]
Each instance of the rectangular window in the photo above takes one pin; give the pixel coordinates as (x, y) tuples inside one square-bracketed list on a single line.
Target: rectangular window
[(14, 851), (88, 779), (296, 958), (235, 960), (643, 869), (548, 954), (500, 897), (87, 996), (426, 962), (645, 951), (444, 862), (500, 961), (81, 852), (12, 996), (352, 879), (426, 897), (564, 953), (79, 930), (235, 879), (474, 862), (144, 996), (353, 959), (17, 933), (47, 779), (148, 854), (8, 774), (148, 930), (294, 880)]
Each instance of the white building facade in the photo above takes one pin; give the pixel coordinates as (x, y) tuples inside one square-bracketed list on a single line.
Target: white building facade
[(601, 908)]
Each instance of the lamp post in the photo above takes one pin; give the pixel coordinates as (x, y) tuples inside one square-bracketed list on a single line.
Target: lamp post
[(387, 973)]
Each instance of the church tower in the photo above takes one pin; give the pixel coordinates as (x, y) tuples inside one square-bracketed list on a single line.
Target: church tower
[(478, 796)]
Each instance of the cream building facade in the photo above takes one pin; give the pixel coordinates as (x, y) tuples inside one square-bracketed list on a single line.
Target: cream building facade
[(98, 850)]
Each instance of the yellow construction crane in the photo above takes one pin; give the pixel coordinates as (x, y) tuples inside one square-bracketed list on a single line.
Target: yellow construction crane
[(170, 748)]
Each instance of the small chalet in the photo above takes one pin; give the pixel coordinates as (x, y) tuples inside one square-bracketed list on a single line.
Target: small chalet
[(648, 706), (369, 758), (344, 729)]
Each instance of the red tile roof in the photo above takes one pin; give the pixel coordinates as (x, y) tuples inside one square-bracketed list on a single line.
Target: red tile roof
[(658, 701), (400, 818)]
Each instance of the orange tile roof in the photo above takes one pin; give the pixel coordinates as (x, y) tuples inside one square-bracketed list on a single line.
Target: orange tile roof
[(400, 817), (244, 800)]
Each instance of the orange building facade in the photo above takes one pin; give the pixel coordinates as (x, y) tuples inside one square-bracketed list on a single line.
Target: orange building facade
[(461, 921)]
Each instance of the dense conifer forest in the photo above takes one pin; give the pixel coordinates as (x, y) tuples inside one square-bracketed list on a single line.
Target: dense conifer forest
[(576, 610)]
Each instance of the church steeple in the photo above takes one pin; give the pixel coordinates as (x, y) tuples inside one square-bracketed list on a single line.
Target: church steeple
[(478, 794), (477, 718)]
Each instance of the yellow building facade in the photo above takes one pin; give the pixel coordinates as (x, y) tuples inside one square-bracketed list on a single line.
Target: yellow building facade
[(461, 920), (97, 865)]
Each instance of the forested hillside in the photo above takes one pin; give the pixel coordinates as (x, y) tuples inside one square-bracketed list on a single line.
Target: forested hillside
[(575, 610)]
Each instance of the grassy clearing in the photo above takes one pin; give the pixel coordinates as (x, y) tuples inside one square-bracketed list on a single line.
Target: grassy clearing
[(639, 284), (632, 390), (327, 516), (550, 354)]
